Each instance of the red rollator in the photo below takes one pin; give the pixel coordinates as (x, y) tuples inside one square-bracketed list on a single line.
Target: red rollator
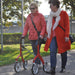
[(35, 68)]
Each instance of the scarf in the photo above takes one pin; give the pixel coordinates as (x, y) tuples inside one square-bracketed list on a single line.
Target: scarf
[(49, 23)]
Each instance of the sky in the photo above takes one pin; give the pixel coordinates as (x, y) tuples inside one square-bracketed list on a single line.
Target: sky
[(44, 8)]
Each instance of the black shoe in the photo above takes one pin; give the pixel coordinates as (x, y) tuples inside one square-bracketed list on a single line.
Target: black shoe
[(62, 70), (52, 71)]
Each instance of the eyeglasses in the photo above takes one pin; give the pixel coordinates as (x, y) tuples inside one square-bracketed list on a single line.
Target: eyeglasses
[(32, 8)]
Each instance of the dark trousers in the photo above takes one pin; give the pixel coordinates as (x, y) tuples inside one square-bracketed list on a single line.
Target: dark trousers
[(53, 52), (63, 59), (34, 47)]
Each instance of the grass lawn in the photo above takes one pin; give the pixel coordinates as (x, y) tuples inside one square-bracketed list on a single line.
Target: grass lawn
[(11, 52)]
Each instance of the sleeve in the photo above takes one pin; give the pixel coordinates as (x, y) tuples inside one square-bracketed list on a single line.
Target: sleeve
[(43, 24), (67, 24), (26, 27)]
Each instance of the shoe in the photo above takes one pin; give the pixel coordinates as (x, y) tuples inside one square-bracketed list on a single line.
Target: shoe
[(52, 71), (62, 70)]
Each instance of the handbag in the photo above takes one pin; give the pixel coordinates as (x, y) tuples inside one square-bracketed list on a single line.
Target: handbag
[(41, 41), (71, 38), (70, 35)]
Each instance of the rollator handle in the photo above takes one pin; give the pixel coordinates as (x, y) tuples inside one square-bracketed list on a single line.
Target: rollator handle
[(22, 37)]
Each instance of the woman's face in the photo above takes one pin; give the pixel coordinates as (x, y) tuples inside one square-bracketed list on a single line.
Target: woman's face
[(33, 9), (53, 8)]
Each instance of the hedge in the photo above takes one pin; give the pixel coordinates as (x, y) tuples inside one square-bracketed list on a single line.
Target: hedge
[(14, 38)]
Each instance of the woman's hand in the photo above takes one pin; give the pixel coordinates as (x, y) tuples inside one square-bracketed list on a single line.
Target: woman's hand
[(41, 36), (66, 39), (22, 37)]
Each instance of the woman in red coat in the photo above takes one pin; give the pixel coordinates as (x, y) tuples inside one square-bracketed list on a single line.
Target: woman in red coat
[(58, 35), (40, 24)]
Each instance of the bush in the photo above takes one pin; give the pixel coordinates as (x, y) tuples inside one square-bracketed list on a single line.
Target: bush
[(12, 38)]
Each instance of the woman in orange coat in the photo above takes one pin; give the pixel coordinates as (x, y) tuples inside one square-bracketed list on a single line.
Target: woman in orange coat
[(58, 35), (40, 24)]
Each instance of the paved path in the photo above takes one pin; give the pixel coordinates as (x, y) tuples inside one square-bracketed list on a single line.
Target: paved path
[(70, 67)]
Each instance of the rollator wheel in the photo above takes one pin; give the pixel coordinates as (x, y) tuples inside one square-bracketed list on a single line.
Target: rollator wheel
[(45, 67), (17, 67), (35, 69), (25, 64)]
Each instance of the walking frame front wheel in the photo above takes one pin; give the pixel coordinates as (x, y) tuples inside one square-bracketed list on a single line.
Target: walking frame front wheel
[(35, 69), (17, 67)]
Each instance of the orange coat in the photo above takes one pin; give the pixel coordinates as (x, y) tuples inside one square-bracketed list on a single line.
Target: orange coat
[(60, 34), (40, 23)]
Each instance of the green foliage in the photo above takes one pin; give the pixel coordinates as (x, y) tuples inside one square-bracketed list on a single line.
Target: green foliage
[(7, 24), (70, 4), (12, 9), (12, 38)]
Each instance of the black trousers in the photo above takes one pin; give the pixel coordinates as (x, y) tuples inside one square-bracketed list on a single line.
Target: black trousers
[(63, 59)]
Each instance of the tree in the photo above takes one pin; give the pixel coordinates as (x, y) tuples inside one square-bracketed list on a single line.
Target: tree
[(12, 9), (0, 12), (70, 4)]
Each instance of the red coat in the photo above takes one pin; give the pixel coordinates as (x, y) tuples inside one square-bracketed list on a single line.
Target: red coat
[(60, 34), (40, 23)]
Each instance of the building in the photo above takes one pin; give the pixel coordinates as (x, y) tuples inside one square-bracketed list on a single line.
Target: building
[(72, 26)]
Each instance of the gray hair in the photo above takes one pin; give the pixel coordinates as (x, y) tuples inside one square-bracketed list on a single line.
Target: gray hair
[(34, 4)]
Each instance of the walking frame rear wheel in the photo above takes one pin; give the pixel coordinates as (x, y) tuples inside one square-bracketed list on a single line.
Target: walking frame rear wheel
[(25, 63)]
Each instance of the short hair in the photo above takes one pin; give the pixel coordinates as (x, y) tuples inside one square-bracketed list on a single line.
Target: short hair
[(55, 3), (33, 4)]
